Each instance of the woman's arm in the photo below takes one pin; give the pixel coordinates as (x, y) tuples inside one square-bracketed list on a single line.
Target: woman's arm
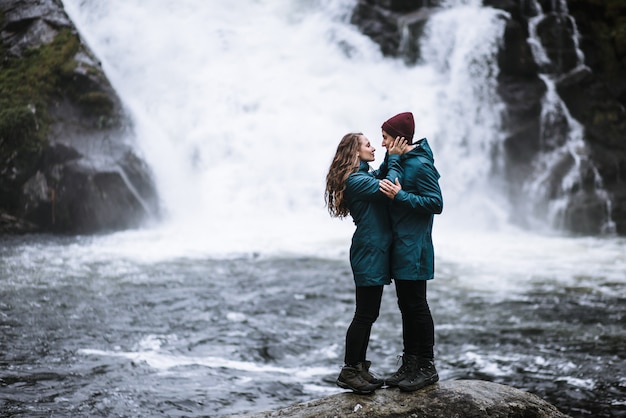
[(363, 186)]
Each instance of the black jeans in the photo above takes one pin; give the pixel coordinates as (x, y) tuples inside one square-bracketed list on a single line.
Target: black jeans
[(358, 336), (418, 329)]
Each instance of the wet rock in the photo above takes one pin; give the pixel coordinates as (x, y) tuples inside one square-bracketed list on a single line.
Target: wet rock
[(557, 35), (394, 25), (453, 398), (592, 97), (11, 225), (515, 58), (66, 154)]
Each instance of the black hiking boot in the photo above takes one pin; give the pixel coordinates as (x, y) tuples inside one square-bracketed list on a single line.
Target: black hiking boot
[(351, 378), (423, 375), (368, 376), (409, 363)]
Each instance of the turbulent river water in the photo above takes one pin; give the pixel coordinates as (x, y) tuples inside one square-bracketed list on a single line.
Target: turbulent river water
[(238, 299), (90, 331)]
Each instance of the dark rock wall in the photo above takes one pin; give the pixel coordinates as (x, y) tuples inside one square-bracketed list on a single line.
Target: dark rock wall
[(66, 161), (598, 98), (593, 93)]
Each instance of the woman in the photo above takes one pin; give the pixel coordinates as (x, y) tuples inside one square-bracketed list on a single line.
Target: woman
[(352, 189)]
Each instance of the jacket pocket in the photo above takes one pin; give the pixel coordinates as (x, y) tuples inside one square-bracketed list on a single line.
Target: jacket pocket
[(369, 261)]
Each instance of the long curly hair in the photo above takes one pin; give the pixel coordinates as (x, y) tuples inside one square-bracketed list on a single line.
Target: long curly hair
[(345, 162)]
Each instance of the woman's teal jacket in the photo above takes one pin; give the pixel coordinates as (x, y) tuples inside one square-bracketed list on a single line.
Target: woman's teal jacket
[(412, 210), (369, 207)]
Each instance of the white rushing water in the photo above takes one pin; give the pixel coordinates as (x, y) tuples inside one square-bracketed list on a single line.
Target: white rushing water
[(238, 111)]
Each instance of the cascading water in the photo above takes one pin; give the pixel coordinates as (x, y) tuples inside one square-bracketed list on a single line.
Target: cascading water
[(239, 122), (563, 171), (239, 300), (469, 131)]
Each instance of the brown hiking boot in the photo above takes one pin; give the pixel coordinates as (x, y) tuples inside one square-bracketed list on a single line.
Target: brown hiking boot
[(367, 375), (351, 378)]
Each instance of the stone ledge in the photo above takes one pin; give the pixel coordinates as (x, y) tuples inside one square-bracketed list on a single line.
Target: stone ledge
[(447, 399)]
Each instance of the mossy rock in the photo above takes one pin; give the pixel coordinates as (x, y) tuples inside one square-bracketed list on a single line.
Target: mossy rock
[(27, 84), (96, 103), (59, 114)]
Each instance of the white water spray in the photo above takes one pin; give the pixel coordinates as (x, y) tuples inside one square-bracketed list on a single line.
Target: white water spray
[(239, 110)]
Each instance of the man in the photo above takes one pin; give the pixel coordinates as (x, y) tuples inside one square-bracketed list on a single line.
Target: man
[(416, 198)]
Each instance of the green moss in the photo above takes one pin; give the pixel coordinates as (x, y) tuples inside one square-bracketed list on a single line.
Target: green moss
[(619, 36), (28, 87), (96, 102), (17, 124), (604, 117), (615, 8), (30, 82)]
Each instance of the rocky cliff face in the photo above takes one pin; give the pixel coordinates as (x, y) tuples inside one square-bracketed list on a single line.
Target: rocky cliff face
[(584, 42), (66, 161)]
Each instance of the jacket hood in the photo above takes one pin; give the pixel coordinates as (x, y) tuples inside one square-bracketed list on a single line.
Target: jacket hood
[(422, 149)]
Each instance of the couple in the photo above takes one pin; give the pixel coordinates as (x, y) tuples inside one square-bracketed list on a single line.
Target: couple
[(393, 210)]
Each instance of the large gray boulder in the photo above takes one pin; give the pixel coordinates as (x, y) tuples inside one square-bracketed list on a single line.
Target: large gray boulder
[(67, 162), (447, 399)]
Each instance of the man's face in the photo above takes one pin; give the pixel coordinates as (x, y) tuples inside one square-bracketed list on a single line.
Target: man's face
[(387, 140)]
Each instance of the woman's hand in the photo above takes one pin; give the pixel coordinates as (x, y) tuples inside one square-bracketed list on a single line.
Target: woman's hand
[(390, 189), (398, 146)]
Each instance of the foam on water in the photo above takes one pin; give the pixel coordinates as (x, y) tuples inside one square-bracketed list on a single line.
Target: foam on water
[(153, 351), (163, 361)]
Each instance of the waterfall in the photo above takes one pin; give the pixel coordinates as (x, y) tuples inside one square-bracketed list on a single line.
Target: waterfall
[(563, 171), (461, 44), (238, 111)]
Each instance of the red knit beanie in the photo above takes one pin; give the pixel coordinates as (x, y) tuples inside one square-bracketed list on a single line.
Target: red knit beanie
[(401, 125)]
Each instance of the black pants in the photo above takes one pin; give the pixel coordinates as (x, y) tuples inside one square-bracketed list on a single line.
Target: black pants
[(418, 329), (358, 336)]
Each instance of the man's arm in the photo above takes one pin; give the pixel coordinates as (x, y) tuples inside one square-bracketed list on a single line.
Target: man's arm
[(428, 201)]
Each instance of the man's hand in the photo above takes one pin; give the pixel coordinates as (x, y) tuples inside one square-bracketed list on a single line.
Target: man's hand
[(390, 189)]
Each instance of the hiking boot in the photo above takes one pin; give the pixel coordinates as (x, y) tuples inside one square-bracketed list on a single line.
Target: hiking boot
[(423, 375), (409, 363), (367, 375), (351, 378)]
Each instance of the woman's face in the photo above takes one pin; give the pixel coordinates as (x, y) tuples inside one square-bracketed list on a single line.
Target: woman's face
[(366, 150)]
